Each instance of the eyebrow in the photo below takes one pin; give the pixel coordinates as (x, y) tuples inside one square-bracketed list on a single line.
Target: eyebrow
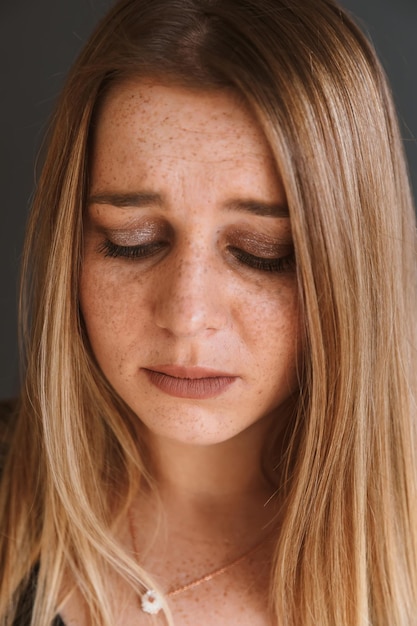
[(136, 199), (265, 209), (143, 198)]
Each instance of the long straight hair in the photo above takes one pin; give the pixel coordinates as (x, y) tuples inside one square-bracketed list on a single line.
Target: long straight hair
[(346, 551)]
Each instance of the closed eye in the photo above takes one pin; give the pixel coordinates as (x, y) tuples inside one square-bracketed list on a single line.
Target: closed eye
[(265, 264), (142, 251)]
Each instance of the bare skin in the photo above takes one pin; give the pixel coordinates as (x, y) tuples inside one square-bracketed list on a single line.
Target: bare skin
[(186, 181)]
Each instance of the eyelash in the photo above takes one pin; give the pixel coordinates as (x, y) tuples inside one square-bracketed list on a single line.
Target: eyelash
[(280, 264), (263, 264), (113, 251)]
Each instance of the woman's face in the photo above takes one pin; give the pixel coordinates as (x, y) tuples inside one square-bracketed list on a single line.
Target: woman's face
[(188, 286)]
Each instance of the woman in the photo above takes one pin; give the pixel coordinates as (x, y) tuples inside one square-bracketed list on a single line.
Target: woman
[(217, 424)]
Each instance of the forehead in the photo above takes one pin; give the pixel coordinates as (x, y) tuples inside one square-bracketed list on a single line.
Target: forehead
[(181, 143), (151, 115)]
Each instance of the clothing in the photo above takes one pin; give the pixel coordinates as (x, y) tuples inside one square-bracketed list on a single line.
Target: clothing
[(24, 610)]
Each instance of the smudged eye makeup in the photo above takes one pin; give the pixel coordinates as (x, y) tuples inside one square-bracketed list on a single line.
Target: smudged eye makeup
[(252, 250), (145, 240), (261, 252), (143, 251), (279, 264)]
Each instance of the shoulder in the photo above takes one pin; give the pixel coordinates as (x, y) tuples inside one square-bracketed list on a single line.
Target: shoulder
[(8, 410)]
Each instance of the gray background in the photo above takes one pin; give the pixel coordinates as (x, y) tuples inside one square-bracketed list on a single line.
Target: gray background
[(39, 39)]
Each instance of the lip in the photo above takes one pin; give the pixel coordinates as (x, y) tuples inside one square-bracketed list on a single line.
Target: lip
[(198, 383)]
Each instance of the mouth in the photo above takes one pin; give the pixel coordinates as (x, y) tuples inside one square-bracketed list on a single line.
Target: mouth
[(189, 382)]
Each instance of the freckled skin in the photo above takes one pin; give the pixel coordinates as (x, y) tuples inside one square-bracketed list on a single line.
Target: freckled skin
[(193, 303)]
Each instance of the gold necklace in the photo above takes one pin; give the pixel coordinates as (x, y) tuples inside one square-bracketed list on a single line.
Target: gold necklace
[(151, 600)]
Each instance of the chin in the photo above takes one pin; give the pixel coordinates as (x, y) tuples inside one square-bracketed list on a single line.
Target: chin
[(196, 426)]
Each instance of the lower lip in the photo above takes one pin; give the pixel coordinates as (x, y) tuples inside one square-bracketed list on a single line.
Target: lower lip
[(193, 388)]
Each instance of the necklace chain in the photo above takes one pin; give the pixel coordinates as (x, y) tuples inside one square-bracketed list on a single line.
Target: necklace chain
[(151, 601)]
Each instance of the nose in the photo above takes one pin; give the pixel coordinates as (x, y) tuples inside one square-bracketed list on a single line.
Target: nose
[(188, 297)]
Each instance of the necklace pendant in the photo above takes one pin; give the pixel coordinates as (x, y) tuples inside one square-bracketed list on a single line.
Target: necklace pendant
[(151, 602)]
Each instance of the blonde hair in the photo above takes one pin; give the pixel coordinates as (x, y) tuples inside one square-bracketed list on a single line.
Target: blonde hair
[(346, 551)]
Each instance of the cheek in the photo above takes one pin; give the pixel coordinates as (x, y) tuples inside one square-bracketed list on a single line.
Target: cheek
[(273, 330), (110, 310), (262, 321), (273, 316)]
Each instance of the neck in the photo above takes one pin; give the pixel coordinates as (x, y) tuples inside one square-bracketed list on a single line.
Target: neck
[(217, 470), (215, 491)]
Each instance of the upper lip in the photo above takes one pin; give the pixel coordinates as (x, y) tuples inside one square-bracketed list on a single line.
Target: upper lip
[(189, 371)]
